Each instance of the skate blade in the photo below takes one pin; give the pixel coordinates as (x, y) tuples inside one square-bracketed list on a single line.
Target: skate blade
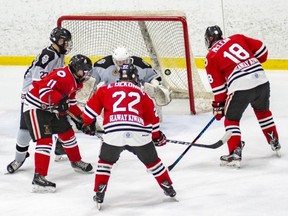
[(83, 172), (170, 199), (233, 164), (59, 158), (42, 189), (98, 206), (278, 153)]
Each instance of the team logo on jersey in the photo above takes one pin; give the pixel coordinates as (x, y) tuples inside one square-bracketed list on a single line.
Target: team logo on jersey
[(256, 75), (45, 59), (115, 73), (128, 135), (47, 129), (44, 106)]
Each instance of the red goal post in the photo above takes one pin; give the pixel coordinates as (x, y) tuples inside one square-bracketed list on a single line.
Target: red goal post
[(160, 38)]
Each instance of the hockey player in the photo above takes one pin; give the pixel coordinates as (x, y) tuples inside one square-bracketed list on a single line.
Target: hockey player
[(45, 110), (107, 70), (129, 120), (237, 78), (50, 58)]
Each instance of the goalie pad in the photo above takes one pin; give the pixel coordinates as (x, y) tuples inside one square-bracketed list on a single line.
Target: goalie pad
[(159, 93)]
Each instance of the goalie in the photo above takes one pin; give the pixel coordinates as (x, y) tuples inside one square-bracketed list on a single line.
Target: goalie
[(106, 71)]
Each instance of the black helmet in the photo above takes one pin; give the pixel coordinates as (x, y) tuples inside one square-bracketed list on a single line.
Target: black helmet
[(80, 62), (58, 33), (129, 72), (212, 34)]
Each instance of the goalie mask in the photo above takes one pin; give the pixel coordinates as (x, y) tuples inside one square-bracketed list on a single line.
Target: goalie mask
[(62, 37), (212, 34), (81, 66), (128, 72), (120, 56)]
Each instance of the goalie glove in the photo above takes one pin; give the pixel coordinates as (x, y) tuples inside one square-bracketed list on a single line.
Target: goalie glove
[(89, 129), (159, 93), (218, 109), (78, 122), (160, 140)]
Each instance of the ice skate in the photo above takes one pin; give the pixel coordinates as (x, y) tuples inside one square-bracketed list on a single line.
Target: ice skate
[(168, 189), (81, 166), (99, 197), (275, 146), (15, 165), (41, 185), (233, 159), (60, 154)]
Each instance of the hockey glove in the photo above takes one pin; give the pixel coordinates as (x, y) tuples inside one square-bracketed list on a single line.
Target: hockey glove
[(78, 122), (63, 104), (89, 129), (218, 109), (161, 140)]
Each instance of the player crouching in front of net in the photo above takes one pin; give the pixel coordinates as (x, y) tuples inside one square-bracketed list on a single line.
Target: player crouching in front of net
[(129, 120), (45, 110)]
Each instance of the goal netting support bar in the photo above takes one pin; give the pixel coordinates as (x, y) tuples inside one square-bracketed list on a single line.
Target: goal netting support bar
[(160, 38)]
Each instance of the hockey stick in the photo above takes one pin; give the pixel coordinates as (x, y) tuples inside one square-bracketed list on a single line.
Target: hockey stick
[(79, 121), (210, 146), (191, 144)]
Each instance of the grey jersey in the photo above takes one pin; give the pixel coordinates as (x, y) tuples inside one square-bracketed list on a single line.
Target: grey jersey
[(48, 60), (104, 70)]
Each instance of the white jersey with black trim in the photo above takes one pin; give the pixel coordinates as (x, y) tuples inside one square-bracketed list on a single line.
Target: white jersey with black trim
[(48, 60), (104, 70)]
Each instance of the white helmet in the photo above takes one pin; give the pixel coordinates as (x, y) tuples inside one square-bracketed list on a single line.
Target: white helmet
[(120, 56)]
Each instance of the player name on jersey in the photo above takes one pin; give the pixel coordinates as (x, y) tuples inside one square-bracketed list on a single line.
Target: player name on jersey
[(126, 117), (220, 44), (122, 84)]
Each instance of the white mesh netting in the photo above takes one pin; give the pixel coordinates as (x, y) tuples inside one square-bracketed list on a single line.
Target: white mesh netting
[(160, 38)]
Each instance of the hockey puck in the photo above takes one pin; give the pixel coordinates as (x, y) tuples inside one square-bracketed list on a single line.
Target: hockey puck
[(167, 72)]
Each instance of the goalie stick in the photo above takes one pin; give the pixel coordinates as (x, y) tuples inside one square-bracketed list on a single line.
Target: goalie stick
[(210, 146)]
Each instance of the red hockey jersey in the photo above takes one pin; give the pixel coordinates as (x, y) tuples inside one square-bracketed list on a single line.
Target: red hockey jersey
[(234, 63), (51, 89), (129, 114)]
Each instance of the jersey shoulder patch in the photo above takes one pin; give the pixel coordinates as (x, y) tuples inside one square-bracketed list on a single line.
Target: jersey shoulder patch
[(104, 62), (47, 55)]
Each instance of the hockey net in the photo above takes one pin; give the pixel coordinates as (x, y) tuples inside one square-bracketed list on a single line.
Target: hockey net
[(160, 38)]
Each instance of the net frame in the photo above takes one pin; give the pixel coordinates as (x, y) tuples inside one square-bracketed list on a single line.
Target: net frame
[(142, 17)]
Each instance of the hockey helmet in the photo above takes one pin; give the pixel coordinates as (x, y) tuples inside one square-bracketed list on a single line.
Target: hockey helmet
[(62, 33), (120, 56), (212, 34), (78, 63), (128, 72)]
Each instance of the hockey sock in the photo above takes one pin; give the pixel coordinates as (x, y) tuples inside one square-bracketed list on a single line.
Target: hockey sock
[(42, 155), (267, 124), (22, 145), (21, 152), (235, 139), (70, 145), (159, 172), (103, 173)]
